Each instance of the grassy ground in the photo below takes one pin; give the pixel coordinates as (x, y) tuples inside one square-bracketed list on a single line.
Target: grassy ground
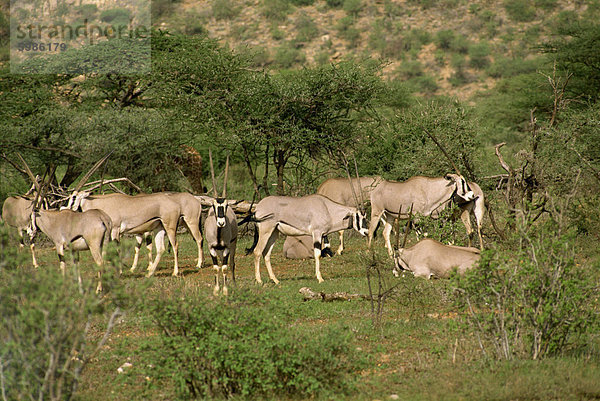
[(417, 351)]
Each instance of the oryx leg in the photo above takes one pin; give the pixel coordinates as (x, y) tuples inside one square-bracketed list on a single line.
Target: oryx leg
[(326, 247), (479, 212), (387, 231), (375, 216), (232, 246), (138, 245), (60, 250), (215, 261), (267, 235), (95, 249), (317, 237), (75, 255), (224, 270), (465, 216), (341, 247), (172, 235), (194, 229), (159, 241), (32, 248)]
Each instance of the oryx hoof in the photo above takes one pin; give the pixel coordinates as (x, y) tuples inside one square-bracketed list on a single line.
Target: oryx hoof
[(225, 291)]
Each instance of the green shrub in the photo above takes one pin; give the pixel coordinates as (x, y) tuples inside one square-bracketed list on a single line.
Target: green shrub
[(547, 5), (276, 10), (479, 55), (505, 67), (334, 3), (443, 39), (347, 31), (519, 10), (353, 7), (287, 56), (224, 9), (45, 330), (87, 11), (306, 29), (530, 300), (247, 346), (301, 3), (116, 16), (460, 44)]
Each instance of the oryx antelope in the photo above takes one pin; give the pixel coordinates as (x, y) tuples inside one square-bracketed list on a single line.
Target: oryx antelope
[(339, 190), (152, 212), (430, 258), (16, 212), (427, 196), (302, 247), (220, 230), (75, 230), (314, 215)]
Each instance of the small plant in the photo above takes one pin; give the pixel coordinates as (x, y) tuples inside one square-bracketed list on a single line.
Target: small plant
[(531, 302), (334, 3), (479, 55), (276, 10), (519, 10), (224, 9), (287, 56), (353, 7), (246, 346), (116, 16), (306, 28), (347, 31), (443, 39)]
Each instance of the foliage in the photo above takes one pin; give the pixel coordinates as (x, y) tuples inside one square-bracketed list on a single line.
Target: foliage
[(276, 10), (353, 7), (46, 321), (530, 300), (286, 56), (478, 55), (391, 152), (224, 9), (519, 10), (247, 346), (306, 29), (574, 50)]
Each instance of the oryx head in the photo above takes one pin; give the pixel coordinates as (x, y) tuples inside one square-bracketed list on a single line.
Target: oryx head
[(462, 188), (399, 263), (359, 222), (220, 209)]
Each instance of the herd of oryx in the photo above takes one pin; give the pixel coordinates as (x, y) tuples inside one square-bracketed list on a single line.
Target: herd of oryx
[(89, 221)]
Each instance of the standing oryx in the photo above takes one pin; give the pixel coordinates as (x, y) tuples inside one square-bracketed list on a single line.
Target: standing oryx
[(76, 230), (314, 215), (140, 214), (430, 258), (220, 230), (426, 196), (341, 191), (16, 212)]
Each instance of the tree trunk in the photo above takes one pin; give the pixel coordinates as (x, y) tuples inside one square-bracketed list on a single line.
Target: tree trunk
[(279, 160), (251, 172)]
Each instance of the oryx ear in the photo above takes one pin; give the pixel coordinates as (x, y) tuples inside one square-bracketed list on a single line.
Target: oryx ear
[(448, 177)]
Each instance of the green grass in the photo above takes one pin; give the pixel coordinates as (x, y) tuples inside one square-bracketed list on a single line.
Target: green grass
[(417, 352)]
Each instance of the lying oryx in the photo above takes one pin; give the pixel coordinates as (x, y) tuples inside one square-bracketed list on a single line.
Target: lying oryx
[(77, 230), (314, 215), (302, 247), (339, 190), (16, 212), (430, 258), (426, 196), (220, 230)]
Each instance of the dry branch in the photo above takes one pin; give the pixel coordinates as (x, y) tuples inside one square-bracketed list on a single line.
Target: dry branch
[(310, 295)]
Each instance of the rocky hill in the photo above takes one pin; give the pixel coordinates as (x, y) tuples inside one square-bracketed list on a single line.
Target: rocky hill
[(443, 47)]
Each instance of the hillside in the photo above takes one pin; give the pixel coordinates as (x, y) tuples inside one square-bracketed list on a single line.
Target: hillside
[(449, 47)]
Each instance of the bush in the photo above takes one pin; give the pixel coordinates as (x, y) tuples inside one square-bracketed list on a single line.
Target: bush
[(224, 9), (335, 3), (306, 29), (478, 55), (116, 16), (276, 10), (246, 346), (519, 10), (45, 330), (444, 39), (353, 7), (347, 31), (530, 300), (287, 56)]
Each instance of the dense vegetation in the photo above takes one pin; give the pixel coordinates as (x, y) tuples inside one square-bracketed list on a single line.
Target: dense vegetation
[(534, 296)]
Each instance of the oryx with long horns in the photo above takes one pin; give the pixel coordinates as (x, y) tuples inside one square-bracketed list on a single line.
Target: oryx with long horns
[(314, 215), (68, 229), (428, 197), (220, 231)]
